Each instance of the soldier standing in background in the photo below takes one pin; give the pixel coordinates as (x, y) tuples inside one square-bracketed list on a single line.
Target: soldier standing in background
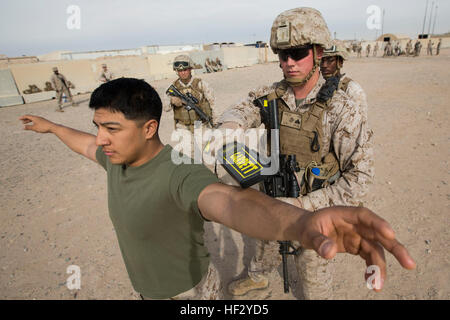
[(429, 48), (417, 48), (375, 49), (438, 47), (105, 74), (61, 86), (368, 50), (186, 83), (333, 136), (388, 49), (331, 66), (397, 49), (408, 48)]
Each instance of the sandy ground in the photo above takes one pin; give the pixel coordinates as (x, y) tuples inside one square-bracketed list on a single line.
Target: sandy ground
[(54, 207)]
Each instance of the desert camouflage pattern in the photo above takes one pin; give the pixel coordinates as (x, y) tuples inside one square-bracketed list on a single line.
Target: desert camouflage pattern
[(316, 275), (209, 288), (266, 259), (303, 26), (357, 95), (337, 48), (347, 131)]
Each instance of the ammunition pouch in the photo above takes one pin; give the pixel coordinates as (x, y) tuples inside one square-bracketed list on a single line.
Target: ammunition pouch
[(317, 176)]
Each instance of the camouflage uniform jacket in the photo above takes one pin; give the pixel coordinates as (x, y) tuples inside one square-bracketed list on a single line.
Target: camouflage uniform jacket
[(59, 82), (207, 92), (356, 94), (346, 131), (105, 76)]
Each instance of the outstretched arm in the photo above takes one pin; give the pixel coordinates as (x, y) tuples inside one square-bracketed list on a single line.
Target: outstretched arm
[(354, 230), (79, 141)]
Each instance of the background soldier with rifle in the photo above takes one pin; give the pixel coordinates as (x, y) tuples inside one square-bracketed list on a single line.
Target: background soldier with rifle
[(323, 127), (191, 87)]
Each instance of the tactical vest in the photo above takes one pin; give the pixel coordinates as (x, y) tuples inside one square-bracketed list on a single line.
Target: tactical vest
[(302, 134), (189, 117)]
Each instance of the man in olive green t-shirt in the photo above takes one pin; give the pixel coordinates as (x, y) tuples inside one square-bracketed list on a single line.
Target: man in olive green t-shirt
[(158, 208), (159, 245)]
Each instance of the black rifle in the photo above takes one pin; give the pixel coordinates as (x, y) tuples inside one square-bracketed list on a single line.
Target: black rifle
[(190, 103), (284, 183)]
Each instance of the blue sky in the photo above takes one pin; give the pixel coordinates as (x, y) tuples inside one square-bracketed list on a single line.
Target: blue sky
[(34, 27)]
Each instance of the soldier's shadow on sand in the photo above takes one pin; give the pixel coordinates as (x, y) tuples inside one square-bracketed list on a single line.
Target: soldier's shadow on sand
[(226, 255), (231, 254)]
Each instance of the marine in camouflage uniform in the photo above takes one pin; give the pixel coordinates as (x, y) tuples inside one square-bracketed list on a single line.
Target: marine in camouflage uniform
[(375, 50), (408, 48), (430, 48), (359, 50), (438, 47), (388, 50), (186, 83), (61, 86), (185, 120), (331, 65), (417, 48), (344, 137), (105, 74), (368, 48)]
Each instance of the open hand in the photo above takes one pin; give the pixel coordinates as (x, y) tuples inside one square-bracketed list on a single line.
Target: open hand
[(354, 230)]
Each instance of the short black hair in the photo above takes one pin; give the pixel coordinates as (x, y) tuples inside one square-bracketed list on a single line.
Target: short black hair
[(135, 98)]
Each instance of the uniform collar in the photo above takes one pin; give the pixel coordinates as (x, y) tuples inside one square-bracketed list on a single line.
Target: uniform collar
[(289, 97), (187, 84)]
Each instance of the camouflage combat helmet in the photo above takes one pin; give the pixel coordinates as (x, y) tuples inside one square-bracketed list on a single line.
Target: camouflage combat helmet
[(182, 62), (297, 28), (338, 48)]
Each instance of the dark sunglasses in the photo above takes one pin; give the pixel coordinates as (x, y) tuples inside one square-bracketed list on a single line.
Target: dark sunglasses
[(179, 64), (295, 53)]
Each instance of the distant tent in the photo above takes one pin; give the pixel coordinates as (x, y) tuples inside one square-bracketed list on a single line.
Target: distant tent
[(392, 37)]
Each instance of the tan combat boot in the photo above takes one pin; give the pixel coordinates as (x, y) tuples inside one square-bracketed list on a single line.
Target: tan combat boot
[(243, 286)]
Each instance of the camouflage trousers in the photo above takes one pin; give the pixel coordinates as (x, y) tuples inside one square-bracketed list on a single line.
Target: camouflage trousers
[(189, 144), (209, 288), (315, 273), (192, 148), (59, 95)]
